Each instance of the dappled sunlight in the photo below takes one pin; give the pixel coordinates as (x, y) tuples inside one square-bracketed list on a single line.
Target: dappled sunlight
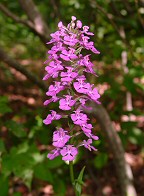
[(103, 87), (136, 161), (133, 118), (107, 190), (47, 190)]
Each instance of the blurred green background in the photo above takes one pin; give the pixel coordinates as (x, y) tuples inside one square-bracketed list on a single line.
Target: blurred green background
[(118, 26)]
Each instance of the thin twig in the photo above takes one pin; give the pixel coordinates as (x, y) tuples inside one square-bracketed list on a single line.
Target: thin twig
[(120, 31), (16, 18), (35, 25), (35, 17), (110, 18), (139, 16), (13, 63)]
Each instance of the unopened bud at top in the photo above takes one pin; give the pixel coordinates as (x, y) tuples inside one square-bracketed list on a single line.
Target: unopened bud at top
[(60, 24), (73, 18), (79, 24)]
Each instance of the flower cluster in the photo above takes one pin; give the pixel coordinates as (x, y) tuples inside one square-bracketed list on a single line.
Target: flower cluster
[(67, 65)]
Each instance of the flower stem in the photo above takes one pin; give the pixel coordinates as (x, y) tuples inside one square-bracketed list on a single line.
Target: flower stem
[(71, 172)]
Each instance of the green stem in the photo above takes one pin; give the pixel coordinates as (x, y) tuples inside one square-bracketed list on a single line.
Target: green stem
[(71, 172)]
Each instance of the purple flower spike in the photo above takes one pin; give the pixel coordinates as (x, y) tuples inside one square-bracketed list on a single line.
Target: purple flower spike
[(79, 24), (69, 75), (70, 40), (86, 62), (87, 144), (93, 94), (69, 153), (56, 48), (90, 135), (79, 118), (60, 138), (86, 127), (51, 117), (85, 30), (54, 153), (53, 69), (85, 40), (73, 18), (81, 86), (67, 64), (60, 24), (68, 55), (55, 37), (54, 89), (87, 131), (83, 101), (53, 99), (67, 103)]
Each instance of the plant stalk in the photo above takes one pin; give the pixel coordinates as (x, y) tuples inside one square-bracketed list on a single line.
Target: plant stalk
[(71, 172)]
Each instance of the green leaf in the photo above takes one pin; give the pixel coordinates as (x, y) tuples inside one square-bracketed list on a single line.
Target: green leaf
[(16, 128), (3, 186), (4, 108), (59, 187), (100, 160), (41, 172), (2, 146), (23, 167), (136, 136), (128, 125), (7, 165), (27, 176), (79, 182), (129, 83), (123, 138), (141, 86), (17, 194), (21, 162)]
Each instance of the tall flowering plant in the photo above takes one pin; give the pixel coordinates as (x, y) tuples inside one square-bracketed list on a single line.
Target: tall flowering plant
[(67, 66)]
